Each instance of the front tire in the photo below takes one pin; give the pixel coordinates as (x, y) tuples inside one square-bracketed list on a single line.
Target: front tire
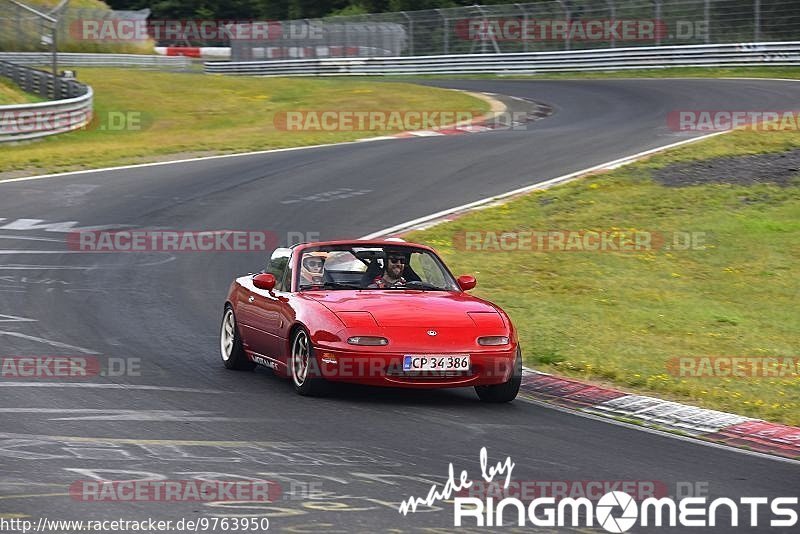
[(304, 368), (230, 344), (507, 391)]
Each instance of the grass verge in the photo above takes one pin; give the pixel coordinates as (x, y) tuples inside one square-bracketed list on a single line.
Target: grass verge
[(11, 94), (623, 318), (148, 118)]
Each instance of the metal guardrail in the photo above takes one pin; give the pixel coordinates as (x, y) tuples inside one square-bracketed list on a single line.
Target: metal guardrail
[(75, 59), (70, 109), (535, 26), (41, 83), (728, 55)]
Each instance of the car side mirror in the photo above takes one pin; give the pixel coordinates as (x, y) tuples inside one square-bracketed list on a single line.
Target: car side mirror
[(466, 282), (265, 281)]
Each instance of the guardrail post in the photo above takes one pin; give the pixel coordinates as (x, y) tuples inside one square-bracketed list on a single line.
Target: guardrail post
[(568, 15), (445, 32), (524, 25), (657, 16), (410, 33), (756, 21), (612, 11), (51, 20)]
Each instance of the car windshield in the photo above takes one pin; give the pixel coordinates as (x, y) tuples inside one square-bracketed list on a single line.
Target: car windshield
[(372, 268)]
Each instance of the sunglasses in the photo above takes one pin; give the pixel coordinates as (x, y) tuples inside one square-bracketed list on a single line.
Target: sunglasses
[(397, 260)]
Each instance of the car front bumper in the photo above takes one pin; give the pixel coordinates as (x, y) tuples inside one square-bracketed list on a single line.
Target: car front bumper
[(386, 369)]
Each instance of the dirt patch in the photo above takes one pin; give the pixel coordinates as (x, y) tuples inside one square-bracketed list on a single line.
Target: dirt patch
[(781, 168)]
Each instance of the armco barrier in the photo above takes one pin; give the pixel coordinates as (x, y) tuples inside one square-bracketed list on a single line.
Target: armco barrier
[(69, 109), (97, 60), (727, 55)]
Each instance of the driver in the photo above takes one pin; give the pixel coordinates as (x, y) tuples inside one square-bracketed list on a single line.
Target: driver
[(392, 276), (311, 270)]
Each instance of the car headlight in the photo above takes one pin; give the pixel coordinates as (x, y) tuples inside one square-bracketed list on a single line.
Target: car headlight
[(372, 341), (492, 340)]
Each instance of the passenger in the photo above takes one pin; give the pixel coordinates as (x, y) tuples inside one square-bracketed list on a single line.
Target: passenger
[(312, 269)]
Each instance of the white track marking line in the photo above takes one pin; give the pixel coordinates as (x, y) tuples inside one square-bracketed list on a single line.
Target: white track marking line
[(236, 155), (539, 185), (15, 319), (172, 162), (15, 267), (342, 143), (662, 433), (26, 238), (96, 385), (47, 267), (9, 252), (562, 179), (745, 78), (109, 412), (93, 414), (50, 342)]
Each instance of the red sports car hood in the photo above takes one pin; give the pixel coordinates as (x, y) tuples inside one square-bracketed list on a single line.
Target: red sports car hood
[(398, 308)]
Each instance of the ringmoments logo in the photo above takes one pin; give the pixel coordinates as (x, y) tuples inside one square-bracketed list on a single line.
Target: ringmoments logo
[(607, 504), (615, 511)]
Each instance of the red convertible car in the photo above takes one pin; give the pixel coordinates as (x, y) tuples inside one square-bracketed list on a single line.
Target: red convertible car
[(384, 313)]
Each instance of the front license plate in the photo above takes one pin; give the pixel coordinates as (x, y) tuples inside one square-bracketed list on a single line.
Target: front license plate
[(436, 362)]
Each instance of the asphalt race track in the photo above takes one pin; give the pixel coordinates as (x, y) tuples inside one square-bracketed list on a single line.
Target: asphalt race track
[(346, 461)]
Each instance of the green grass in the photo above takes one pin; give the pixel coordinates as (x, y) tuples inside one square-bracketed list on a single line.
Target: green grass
[(11, 94), (619, 318), (182, 113)]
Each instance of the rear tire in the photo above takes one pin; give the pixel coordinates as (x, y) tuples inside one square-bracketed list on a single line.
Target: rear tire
[(230, 344), (507, 391), (304, 368)]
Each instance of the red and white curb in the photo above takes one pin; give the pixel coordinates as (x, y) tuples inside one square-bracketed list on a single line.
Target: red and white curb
[(215, 52), (483, 123), (459, 130), (712, 425)]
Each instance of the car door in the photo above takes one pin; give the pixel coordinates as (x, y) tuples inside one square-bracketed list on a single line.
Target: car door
[(274, 312), (263, 312)]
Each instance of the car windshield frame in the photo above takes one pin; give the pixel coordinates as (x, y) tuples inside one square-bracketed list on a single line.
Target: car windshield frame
[(450, 281)]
